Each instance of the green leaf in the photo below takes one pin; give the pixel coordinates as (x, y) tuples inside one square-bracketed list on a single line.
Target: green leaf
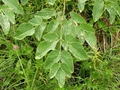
[(66, 69), (5, 24), (51, 2), (44, 47), (97, 9), (77, 18), (14, 5), (81, 4), (65, 45), (24, 30), (9, 13), (66, 25), (70, 39), (60, 76), (73, 30), (46, 13), (24, 1), (67, 58), (53, 57), (112, 13), (91, 40), (39, 31), (54, 70), (36, 21), (116, 7), (78, 51), (87, 27), (50, 37), (52, 26), (80, 34)]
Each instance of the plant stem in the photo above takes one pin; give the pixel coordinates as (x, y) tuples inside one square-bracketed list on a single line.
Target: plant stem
[(34, 78), (23, 69), (61, 30)]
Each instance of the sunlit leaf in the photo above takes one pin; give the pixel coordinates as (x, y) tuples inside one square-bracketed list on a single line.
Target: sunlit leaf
[(66, 27), (44, 47), (67, 58), (60, 76), (51, 2), (91, 40), (66, 69), (116, 7), (52, 26), (70, 39), (81, 4), (50, 37), (46, 13), (53, 57), (5, 24), (112, 13), (24, 1), (54, 70), (39, 31), (97, 9), (9, 13), (78, 51), (14, 4), (24, 30), (77, 18), (87, 27), (36, 21), (80, 34)]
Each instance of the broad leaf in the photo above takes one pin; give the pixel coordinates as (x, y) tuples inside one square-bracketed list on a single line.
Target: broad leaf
[(9, 13), (54, 70), (36, 21), (73, 30), (44, 47), (5, 24), (46, 13), (80, 34), (77, 18), (66, 27), (70, 39), (60, 76), (116, 7), (97, 9), (50, 37), (14, 4), (24, 30), (87, 28), (39, 31), (65, 45), (112, 13), (91, 40), (67, 58), (53, 57), (81, 4), (51, 2), (78, 51), (66, 69), (24, 1), (52, 26)]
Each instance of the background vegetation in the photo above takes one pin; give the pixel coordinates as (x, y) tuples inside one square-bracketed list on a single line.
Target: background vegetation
[(59, 44)]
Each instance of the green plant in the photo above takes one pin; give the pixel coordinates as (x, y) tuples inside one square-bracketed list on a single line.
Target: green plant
[(52, 38)]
